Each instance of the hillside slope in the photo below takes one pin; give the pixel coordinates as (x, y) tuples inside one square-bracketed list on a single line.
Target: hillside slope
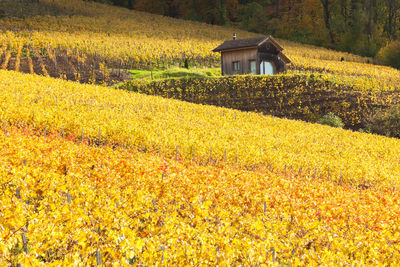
[(72, 204), (206, 134), (88, 41), (304, 96)]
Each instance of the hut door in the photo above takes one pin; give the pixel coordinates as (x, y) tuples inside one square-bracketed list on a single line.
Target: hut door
[(266, 67)]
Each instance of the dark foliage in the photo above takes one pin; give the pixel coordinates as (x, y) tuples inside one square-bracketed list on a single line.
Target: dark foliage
[(385, 122)]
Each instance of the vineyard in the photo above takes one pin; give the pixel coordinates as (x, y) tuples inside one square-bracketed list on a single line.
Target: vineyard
[(305, 96), (66, 203), (83, 41), (92, 175), (206, 134)]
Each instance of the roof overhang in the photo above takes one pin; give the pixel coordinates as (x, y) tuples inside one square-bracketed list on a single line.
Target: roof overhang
[(284, 58), (236, 49)]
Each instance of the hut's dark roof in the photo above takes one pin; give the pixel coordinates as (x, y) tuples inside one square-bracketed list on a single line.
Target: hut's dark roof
[(244, 43)]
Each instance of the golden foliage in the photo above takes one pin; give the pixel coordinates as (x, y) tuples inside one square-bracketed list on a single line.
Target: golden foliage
[(210, 133), (115, 34), (71, 200)]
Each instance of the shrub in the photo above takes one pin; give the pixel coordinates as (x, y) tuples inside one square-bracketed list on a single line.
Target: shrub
[(390, 54), (385, 122), (331, 120)]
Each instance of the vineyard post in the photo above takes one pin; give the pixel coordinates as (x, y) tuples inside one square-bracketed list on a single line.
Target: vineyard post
[(154, 205), (210, 155), (217, 250), (159, 150), (328, 173), (5, 130), (393, 190), (82, 135), (265, 207), (69, 198), (176, 153), (24, 243), (285, 169), (63, 132), (99, 135), (25, 162), (225, 156), (162, 255), (98, 257), (341, 180), (18, 193), (194, 160), (273, 254), (315, 172)]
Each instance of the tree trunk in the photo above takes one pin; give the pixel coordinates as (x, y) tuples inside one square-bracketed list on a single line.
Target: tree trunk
[(277, 7), (391, 13), (370, 14), (343, 10), (325, 4), (375, 10)]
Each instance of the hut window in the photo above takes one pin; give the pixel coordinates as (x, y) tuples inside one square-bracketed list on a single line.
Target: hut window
[(253, 66), (236, 65), (266, 67)]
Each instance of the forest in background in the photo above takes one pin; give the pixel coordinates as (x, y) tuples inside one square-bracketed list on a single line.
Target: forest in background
[(357, 26)]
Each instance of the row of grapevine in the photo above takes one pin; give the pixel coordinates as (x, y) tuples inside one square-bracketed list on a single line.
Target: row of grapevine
[(298, 96), (88, 35), (72, 204), (248, 139)]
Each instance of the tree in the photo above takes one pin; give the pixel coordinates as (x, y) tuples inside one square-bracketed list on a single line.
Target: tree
[(253, 17), (390, 54), (152, 6), (392, 6), (327, 19), (232, 9)]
